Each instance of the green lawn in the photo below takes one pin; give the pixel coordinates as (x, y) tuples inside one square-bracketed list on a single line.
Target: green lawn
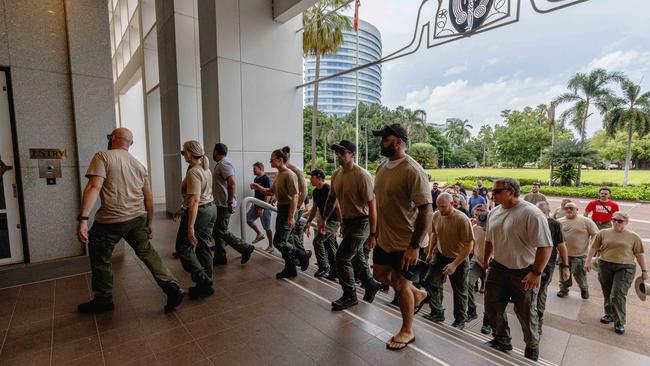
[(590, 176)]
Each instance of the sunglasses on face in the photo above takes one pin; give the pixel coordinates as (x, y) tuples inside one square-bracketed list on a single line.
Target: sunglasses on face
[(498, 190), (182, 153), (620, 221), (109, 137)]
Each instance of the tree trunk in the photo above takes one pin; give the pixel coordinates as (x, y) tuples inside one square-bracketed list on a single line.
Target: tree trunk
[(628, 154), (582, 139), (550, 176), (314, 117)]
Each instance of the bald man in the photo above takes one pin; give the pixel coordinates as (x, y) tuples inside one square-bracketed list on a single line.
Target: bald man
[(125, 213)]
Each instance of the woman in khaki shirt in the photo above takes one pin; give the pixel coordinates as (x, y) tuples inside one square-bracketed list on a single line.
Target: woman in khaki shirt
[(198, 215), (618, 249)]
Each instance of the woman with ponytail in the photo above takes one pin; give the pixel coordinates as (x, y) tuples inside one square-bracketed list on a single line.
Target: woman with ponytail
[(197, 215)]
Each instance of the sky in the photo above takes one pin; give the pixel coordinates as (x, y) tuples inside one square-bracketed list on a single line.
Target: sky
[(522, 64)]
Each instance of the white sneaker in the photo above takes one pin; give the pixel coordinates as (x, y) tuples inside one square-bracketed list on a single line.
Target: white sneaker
[(259, 238)]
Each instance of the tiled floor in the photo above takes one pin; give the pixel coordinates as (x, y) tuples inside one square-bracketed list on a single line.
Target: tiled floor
[(252, 319)]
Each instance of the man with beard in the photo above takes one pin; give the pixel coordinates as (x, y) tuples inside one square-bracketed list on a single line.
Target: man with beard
[(353, 190), (404, 201), (435, 191), (126, 212)]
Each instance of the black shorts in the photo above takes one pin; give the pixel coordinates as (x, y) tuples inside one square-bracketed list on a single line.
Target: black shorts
[(383, 258)]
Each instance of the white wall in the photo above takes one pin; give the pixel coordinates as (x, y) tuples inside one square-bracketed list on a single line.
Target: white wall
[(132, 117)]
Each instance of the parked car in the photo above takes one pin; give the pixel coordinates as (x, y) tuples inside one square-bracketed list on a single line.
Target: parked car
[(614, 165)]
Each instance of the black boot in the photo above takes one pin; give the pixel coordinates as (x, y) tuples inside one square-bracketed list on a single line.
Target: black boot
[(94, 306), (289, 270), (371, 287), (174, 296), (200, 290), (345, 301), (247, 254), (304, 257)]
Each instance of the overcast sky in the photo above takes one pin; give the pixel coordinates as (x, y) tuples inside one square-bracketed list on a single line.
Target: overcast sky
[(525, 63)]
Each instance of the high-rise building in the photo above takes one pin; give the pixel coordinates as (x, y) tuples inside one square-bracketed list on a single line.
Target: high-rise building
[(336, 96)]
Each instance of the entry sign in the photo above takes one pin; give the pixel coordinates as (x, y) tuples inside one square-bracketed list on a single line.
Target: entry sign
[(59, 154)]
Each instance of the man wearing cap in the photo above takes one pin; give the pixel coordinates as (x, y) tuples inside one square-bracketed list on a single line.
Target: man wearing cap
[(324, 243), (476, 199), (520, 236), (535, 196), (126, 212), (223, 190), (404, 207), (352, 189), (477, 271), (602, 209), (449, 246), (578, 231)]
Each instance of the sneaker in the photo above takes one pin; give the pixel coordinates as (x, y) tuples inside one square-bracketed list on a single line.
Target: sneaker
[(619, 328), (531, 353), (471, 315), (286, 273), (321, 273), (606, 319), (344, 302), (486, 329), (584, 293), (247, 254), (304, 261), (93, 306), (436, 318), (562, 293), (372, 287), (498, 345), (174, 297), (458, 324), (258, 238)]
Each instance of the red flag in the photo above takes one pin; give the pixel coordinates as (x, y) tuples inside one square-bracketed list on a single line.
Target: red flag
[(356, 15)]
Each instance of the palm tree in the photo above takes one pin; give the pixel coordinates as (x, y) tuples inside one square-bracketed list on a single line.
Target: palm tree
[(586, 89), (458, 131), (631, 113), (414, 121), (322, 35)]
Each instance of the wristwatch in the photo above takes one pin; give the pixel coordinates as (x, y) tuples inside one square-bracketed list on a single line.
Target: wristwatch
[(563, 266), (414, 244), (82, 218), (373, 234), (536, 272)]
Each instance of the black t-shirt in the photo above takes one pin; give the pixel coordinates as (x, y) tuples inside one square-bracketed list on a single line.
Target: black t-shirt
[(434, 196), (463, 210), (483, 192), (320, 198), (265, 181), (558, 237)]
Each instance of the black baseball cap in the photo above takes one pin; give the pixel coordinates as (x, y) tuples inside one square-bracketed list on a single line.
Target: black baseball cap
[(317, 173), (395, 129), (345, 145)]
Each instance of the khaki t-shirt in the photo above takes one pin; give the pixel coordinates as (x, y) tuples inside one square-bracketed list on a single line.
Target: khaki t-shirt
[(516, 233), (124, 177), (197, 181), (534, 198), (451, 231), (618, 247), (578, 233), (479, 245), (302, 184), (353, 190), (400, 190), (285, 185)]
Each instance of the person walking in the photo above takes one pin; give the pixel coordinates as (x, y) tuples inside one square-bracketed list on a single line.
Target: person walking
[(285, 189), (352, 189), (325, 244), (197, 215), (547, 276), (477, 272), (559, 212), (449, 247), (482, 190), (262, 213), (535, 195), (519, 234), (298, 230), (435, 191), (476, 199), (618, 248), (404, 201), (223, 190), (578, 231), (126, 212), (602, 209)]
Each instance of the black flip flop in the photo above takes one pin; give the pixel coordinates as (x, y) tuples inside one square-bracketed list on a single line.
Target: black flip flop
[(421, 304), (401, 345)]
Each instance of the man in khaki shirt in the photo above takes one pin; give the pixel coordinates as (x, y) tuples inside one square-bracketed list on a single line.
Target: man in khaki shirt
[(126, 212), (579, 231), (404, 210), (535, 196), (449, 248)]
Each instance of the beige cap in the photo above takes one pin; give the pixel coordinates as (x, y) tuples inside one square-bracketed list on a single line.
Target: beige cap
[(570, 205), (642, 288)]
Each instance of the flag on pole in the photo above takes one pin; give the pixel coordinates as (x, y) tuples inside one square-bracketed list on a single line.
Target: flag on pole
[(356, 15)]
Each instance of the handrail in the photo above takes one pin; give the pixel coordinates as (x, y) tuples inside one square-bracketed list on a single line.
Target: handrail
[(257, 202)]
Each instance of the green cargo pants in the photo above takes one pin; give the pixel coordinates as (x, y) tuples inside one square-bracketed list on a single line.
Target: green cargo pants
[(503, 284), (350, 254), (615, 280), (104, 237), (197, 260), (577, 270), (475, 272), (542, 293), (222, 236), (281, 238), (325, 246), (434, 281)]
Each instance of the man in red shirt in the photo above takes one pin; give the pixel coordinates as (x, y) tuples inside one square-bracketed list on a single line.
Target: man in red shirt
[(602, 209)]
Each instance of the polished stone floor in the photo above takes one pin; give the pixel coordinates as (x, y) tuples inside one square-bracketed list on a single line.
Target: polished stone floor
[(254, 319)]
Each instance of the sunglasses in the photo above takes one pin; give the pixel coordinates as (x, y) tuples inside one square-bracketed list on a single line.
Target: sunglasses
[(182, 152), (499, 190), (109, 137), (620, 221)]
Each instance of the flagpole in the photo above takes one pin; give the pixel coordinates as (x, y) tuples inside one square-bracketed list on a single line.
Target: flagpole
[(356, 97)]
